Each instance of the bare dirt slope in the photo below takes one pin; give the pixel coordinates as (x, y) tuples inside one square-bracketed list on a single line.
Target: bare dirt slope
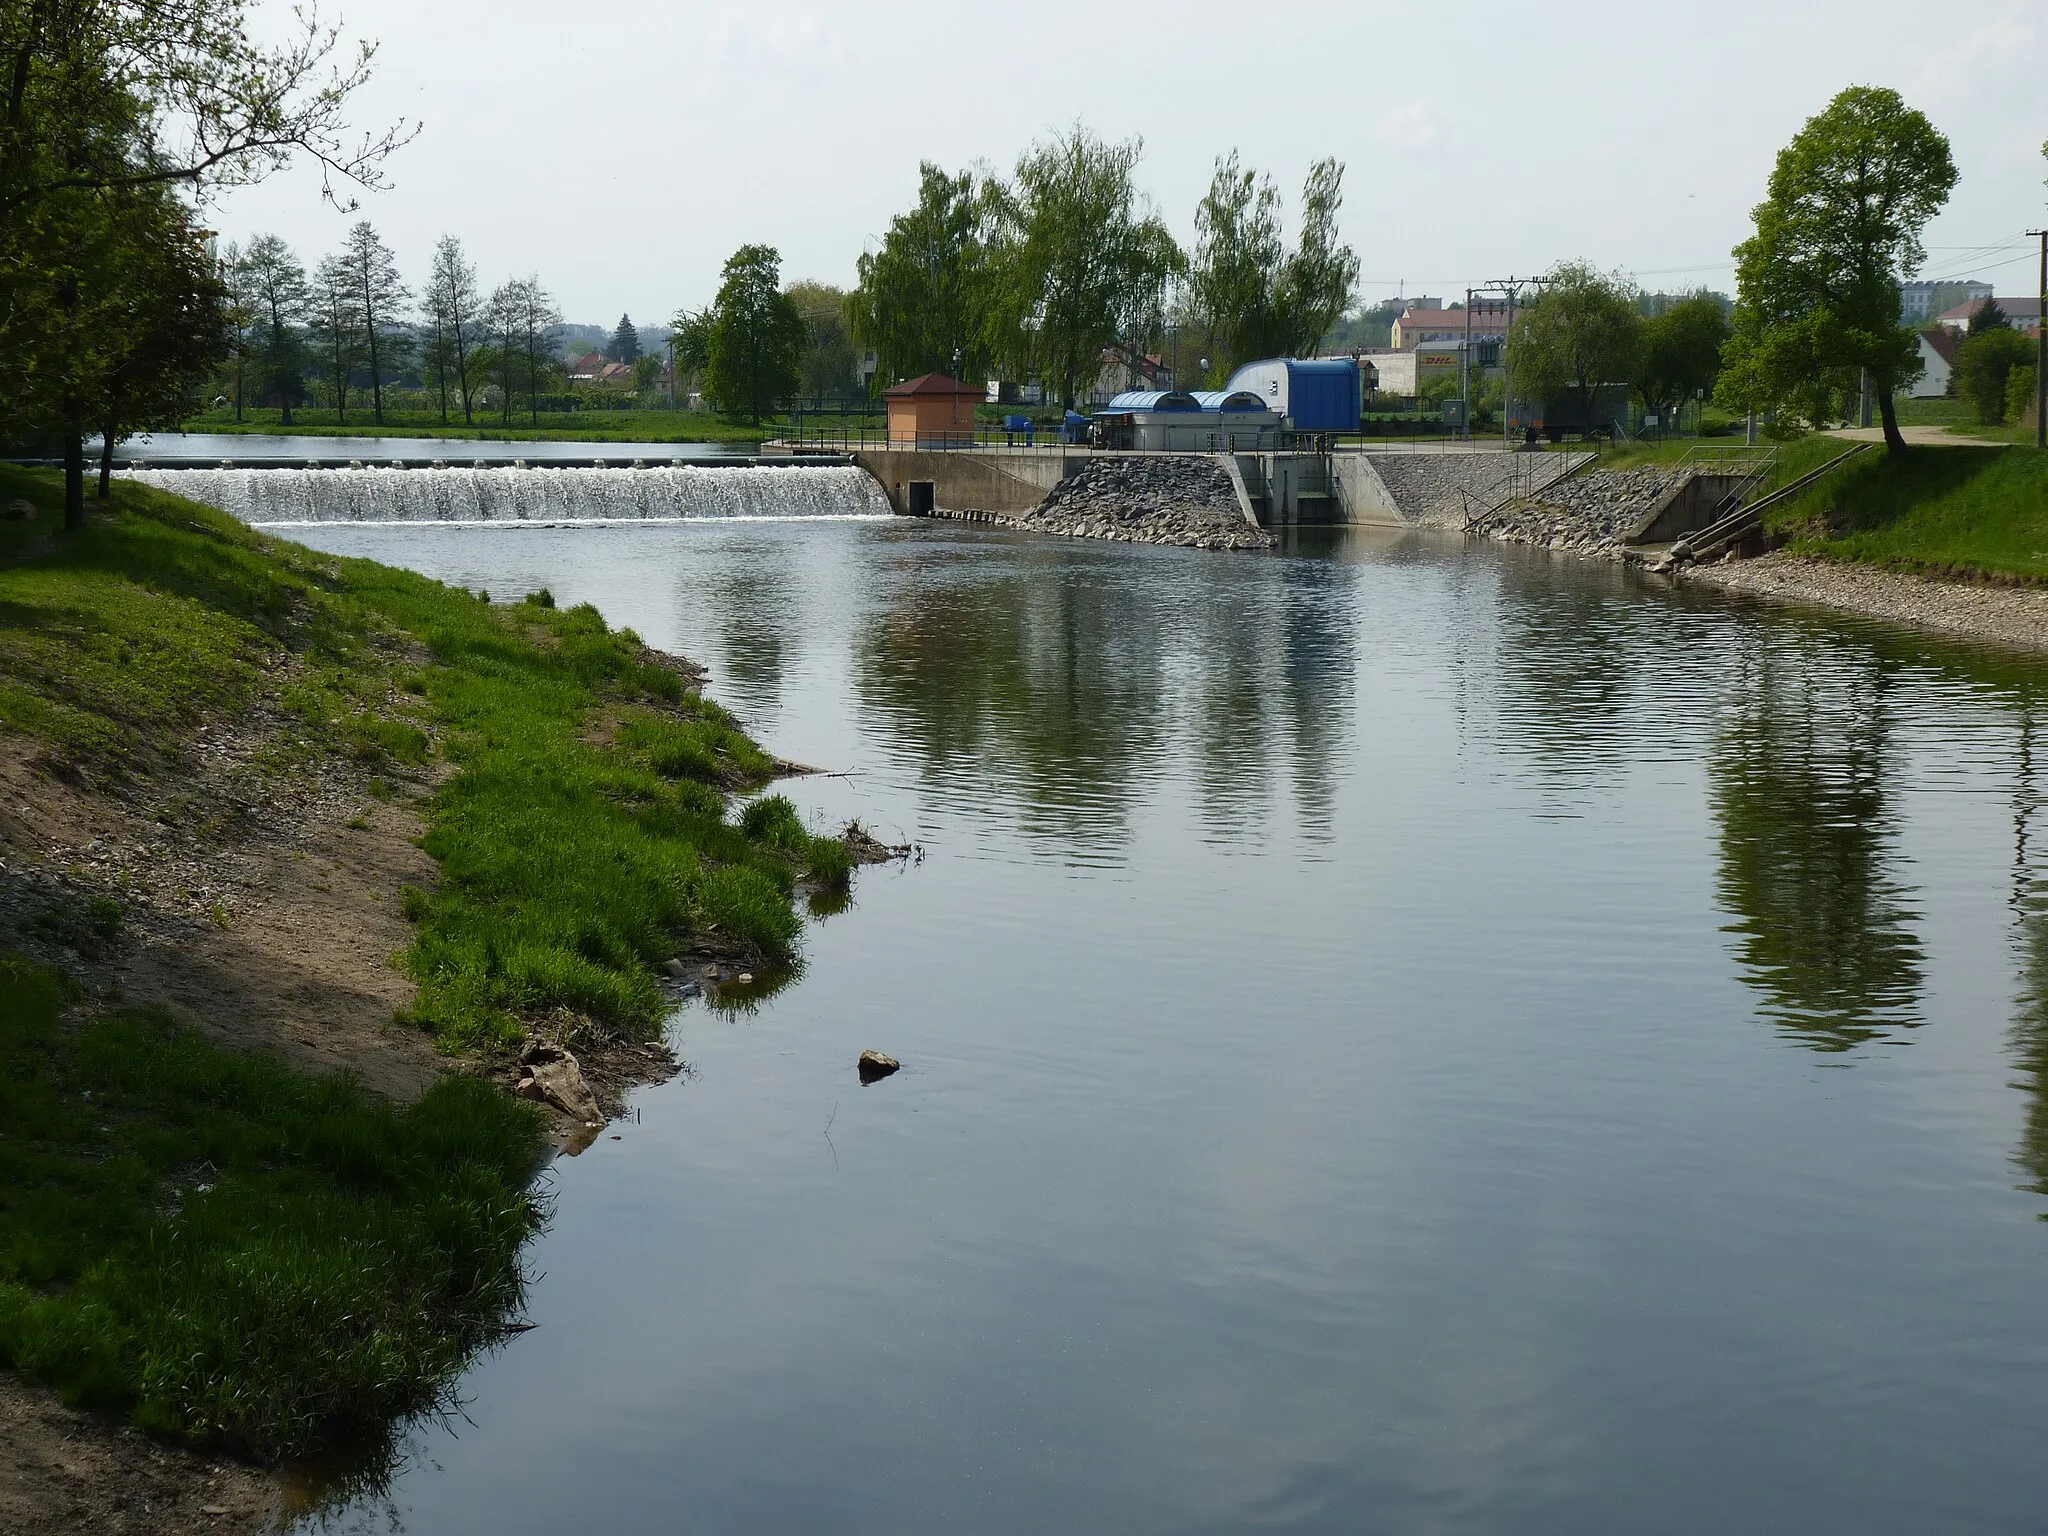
[(262, 905), (63, 1472)]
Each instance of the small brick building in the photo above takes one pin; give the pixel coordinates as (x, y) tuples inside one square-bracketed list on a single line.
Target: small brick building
[(931, 411)]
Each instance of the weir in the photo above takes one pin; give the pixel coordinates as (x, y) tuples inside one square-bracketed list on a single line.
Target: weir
[(517, 495)]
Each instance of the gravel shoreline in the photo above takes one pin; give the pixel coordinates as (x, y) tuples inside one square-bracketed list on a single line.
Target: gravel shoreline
[(2009, 616)]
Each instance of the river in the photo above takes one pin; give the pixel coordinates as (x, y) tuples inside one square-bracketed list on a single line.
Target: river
[(1397, 1036)]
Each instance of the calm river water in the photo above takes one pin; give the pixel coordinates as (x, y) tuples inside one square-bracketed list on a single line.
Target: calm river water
[(1398, 1037)]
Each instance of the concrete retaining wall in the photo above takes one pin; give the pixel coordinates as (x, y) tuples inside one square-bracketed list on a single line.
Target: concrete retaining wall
[(1686, 508), (1010, 481)]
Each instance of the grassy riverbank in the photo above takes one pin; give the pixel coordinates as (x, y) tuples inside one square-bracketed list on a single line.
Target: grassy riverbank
[(214, 1243), (1961, 511)]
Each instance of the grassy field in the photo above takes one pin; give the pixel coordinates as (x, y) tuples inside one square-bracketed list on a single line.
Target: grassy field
[(221, 1247), (1961, 511), (1793, 459), (553, 426)]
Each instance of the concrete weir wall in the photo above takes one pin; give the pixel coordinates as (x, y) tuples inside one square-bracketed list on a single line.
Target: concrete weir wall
[(962, 479)]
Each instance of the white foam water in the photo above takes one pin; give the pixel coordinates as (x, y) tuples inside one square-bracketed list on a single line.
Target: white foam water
[(298, 497)]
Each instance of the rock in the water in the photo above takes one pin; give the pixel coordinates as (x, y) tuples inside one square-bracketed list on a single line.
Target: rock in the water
[(873, 1065), (560, 1082), (528, 1089), (673, 969)]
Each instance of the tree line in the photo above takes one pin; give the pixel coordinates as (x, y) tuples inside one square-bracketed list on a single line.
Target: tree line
[(1036, 275), (1817, 315), (353, 325)]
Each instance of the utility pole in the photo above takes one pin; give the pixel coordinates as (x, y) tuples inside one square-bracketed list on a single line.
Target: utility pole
[(1512, 288), (2041, 349), (1465, 376)]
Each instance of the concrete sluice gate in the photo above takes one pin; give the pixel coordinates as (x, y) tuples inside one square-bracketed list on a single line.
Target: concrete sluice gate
[(282, 497)]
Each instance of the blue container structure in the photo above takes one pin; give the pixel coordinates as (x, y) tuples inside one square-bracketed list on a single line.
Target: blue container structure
[(1319, 394)]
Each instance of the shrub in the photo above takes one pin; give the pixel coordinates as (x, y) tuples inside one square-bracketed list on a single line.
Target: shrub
[(2020, 395), (1984, 362)]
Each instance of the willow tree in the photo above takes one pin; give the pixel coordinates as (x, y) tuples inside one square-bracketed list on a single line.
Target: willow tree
[(1817, 296), (1082, 263), (1584, 332), (924, 299), (1251, 296)]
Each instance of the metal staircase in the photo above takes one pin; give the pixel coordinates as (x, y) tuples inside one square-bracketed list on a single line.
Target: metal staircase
[(1739, 521)]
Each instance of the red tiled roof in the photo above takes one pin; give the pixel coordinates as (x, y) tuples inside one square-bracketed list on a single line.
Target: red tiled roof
[(930, 384), (1944, 342), (2015, 309)]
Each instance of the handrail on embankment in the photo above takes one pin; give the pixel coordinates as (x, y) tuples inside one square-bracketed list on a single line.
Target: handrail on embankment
[(1742, 521)]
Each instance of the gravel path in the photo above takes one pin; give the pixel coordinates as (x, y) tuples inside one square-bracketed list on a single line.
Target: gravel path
[(2011, 616)]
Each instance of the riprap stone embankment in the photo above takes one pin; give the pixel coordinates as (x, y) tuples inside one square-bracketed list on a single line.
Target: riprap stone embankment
[(1445, 490), (1592, 514), (1184, 500)]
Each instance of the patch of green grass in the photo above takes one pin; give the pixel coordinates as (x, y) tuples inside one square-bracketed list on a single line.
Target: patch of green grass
[(570, 869), (86, 924), (1970, 511), (1793, 459), (627, 426), (213, 1244), (116, 640), (221, 1248)]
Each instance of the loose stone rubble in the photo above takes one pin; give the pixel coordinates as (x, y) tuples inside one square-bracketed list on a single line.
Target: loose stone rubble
[(2006, 615), (1590, 514), (1155, 499), (1441, 490)]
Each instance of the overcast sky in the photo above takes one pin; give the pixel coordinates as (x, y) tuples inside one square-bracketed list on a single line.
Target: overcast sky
[(623, 149)]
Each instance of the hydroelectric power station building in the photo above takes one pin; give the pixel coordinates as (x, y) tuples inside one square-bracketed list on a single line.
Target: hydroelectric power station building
[(1262, 401)]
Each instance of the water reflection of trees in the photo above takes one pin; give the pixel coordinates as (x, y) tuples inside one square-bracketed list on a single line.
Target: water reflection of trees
[(1799, 767), (2030, 934), (1078, 674), (756, 604), (1584, 670)]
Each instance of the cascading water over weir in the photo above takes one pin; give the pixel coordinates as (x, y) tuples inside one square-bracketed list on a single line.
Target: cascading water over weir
[(285, 497)]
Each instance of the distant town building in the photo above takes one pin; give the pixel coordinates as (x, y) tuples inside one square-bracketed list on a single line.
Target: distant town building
[(1401, 306), (1918, 300), (1938, 363), (1119, 370), (1489, 320), (2020, 314), (595, 370), (1393, 372)]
